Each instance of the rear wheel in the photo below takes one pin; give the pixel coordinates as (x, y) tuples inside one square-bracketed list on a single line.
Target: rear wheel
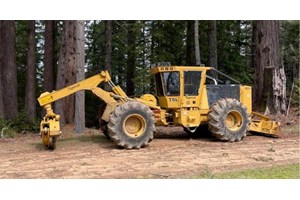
[(131, 125), (228, 120)]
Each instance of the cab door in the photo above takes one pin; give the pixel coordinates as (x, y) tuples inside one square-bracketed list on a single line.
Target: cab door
[(191, 88), (190, 99)]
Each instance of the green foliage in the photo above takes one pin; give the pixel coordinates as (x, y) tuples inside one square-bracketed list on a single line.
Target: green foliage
[(95, 41), (235, 49), (18, 125), (21, 47), (289, 39), (167, 42), (277, 172), (6, 130), (296, 95)]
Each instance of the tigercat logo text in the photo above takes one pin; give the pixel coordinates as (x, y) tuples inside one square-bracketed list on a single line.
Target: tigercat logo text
[(74, 86)]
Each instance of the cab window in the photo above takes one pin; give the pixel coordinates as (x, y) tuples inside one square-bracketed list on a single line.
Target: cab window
[(191, 82)]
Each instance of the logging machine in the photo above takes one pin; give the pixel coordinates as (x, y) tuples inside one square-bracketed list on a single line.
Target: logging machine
[(187, 96)]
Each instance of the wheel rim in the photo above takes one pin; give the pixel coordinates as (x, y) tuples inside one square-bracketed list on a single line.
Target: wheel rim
[(45, 136), (233, 120), (134, 125)]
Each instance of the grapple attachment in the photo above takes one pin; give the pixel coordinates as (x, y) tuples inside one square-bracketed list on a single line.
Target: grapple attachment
[(50, 128)]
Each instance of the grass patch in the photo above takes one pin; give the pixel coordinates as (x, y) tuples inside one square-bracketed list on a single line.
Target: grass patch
[(279, 172)]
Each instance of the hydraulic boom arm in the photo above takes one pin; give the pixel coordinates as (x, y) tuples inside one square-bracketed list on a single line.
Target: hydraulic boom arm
[(50, 127), (87, 84)]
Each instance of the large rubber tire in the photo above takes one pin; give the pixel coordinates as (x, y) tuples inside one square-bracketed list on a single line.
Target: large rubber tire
[(105, 130), (102, 123), (228, 120), (131, 125)]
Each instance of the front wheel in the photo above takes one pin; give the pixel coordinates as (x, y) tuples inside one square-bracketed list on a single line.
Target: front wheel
[(49, 141), (228, 120), (131, 125)]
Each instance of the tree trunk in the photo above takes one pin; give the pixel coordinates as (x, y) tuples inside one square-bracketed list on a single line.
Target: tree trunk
[(197, 46), (9, 69), (270, 80), (80, 75), (130, 59), (49, 81), (66, 72), (30, 98), (212, 44), (108, 44), (189, 43), (1, 70)]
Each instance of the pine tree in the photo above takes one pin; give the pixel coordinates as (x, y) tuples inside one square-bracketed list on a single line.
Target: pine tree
[(270, 80), (30, 97), (108, 44), (131, 57), (9, 69), (49, 59), (66, 72), (80, 75), (1, 70), (212, 43), (197, 46), (189, 43)]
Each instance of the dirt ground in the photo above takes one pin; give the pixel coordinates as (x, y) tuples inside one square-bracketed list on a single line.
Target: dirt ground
[(172, 154)]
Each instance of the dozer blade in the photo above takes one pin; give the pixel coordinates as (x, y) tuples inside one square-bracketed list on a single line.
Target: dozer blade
[(264, 125)]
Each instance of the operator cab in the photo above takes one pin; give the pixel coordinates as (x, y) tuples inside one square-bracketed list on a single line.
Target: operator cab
[(177, 86)]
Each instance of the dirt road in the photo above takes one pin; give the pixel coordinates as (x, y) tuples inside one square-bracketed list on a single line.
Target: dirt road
[(172, 154)]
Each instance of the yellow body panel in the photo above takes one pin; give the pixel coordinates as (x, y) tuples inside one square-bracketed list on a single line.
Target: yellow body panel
[(189, 118), (246, 97)]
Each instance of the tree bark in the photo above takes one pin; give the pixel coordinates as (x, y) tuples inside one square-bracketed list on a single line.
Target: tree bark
[(131, 58), (197, 46), (80, 75), (189, 43), (108, 44), (49, 58), (1, 71), (212, 44), (270, 80), (9, 69), (66, 73), (30, 98)]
